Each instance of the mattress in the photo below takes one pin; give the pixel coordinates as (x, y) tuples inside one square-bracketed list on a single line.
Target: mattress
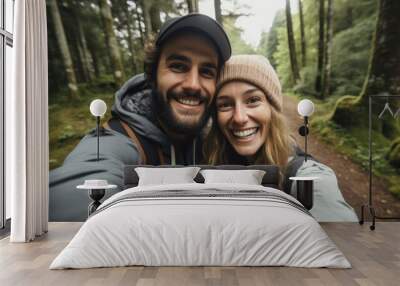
[(201, 225)]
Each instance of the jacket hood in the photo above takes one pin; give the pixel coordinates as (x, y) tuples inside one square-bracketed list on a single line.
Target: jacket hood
[(134, 104)]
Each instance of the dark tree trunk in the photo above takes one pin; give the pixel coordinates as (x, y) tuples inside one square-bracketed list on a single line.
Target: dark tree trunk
[(190, 6), (155, 17), (321, 51), (93, 49), (83, 74), (96, 65), (65, 52), (145, 5), (302, 36), (85, 56), (105, 60), (384, 70), (218, 13), (349, 16), (292, 46), (128, 19), (383, 75), (393, 154), (139, 23), (86, 59), (328, 50), (193, 6), (116, 60)]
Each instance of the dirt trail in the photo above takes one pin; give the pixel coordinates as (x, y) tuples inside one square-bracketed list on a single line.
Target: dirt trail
[(353, 181)]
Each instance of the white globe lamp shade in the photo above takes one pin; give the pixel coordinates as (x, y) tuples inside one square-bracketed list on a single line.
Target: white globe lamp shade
[(305, 107), (98, 107)]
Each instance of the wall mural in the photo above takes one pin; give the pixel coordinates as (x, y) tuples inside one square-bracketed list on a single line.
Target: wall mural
[(166, 94)]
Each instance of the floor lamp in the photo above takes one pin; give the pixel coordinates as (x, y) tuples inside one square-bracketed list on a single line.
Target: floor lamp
[(98, 108), (96, 188), (305, 108), (305, 193)]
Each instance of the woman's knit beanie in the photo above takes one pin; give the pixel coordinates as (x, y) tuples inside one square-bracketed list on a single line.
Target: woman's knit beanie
[(256, 70)]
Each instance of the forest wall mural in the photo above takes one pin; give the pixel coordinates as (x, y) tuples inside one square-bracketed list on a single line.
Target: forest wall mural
[(334, 52)]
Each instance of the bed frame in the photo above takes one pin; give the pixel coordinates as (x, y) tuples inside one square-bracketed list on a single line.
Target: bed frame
[(270, 179)]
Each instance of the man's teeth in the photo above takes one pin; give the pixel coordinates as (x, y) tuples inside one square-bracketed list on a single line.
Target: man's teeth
[(245, 133), (189, 101)]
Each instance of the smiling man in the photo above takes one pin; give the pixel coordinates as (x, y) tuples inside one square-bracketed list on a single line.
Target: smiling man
[(186, 78), (157, 117)]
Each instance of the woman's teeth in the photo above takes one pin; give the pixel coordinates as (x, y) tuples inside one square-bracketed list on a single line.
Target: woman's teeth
[(186, 101), (245, 133)]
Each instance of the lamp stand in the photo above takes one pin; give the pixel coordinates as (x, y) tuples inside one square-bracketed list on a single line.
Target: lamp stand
[(305, 137), (98, 136), (369, 207)]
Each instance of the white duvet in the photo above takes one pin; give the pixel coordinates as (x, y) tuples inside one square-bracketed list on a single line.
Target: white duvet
[(183, 231)]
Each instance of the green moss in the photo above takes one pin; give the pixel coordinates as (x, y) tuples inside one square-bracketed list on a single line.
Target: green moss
[(393, 154), (346, 112), (70, 120), (353, 143)]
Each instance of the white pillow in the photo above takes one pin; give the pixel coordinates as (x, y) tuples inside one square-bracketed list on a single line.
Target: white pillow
[(248, 177), (166, 176)]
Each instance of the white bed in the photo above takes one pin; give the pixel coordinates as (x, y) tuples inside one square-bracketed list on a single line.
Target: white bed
[(225, 225)]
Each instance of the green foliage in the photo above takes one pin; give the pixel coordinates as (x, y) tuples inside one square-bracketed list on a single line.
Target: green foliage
[(281, 58), (70, 120), (350, 57), (263, 48), (310, 10), (269, 40), (354, 23), (393, 154), (348, 13), (353, 143), (102, 83), (67, 133), (306, 83)]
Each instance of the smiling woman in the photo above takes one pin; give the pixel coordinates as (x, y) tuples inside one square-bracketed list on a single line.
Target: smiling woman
[(250, 125)]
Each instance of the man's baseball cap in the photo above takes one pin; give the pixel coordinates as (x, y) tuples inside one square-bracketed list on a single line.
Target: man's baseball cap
[(205, 24)]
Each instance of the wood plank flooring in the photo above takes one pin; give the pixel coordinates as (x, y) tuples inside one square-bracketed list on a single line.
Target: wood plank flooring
[(374, 255)]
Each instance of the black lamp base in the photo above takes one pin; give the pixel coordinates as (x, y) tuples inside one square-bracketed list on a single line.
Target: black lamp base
[(305, 193), (303, 131), (96, 195)]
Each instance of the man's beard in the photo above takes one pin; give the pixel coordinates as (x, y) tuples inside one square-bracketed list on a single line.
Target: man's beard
[(167, 116)]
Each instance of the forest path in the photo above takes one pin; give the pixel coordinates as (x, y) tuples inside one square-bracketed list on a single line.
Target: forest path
[(352, 179)]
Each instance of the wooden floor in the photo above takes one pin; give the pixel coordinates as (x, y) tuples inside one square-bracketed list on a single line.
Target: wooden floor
[(374, 255)]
